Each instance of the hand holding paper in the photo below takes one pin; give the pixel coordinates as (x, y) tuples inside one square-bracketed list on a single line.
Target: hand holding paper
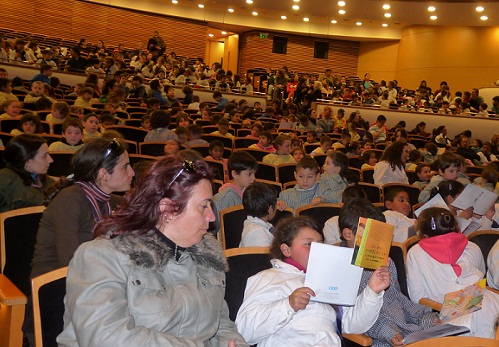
[(474, 196)]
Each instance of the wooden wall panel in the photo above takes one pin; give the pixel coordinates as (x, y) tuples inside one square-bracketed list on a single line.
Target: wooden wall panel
[(74, 19), (256, 52)]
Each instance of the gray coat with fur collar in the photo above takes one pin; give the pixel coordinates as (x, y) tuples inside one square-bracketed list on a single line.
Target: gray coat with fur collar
[(130, 291)]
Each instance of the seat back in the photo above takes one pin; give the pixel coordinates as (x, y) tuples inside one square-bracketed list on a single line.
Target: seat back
[(227, 141), (286, 213), (266, 172), (485, 239), (397, 255), (18, 229), (243, 263), (258, 154), (232, 224), (368, 176), (48, 291), (153, 149), (412, 176), (286, 172), (130, 133), (321, 213), (62, 163), (372, 191), (244, 142)]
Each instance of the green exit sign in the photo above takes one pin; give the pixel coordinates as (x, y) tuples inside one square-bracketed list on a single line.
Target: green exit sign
[(264, 35)]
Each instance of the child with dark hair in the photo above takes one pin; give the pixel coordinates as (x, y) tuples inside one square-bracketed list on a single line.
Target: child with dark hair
[(160, 132), (216, 151), (277, 308), (325, 146), (423, 170), (307, 187), (259, 202), (391, 167), (331, 228), (445, 261), (222, 102), (28, 124), (264, 143), (369, 158), (195, 136), (398, 213), (398, 316), (60, 110), (333, 180), (282, 144), (90, 123), (182, 135), (448, 166), (72, 136), (223, 129), (145, 122), (242, 167), (414, 159), (430, 153), (344, 142)]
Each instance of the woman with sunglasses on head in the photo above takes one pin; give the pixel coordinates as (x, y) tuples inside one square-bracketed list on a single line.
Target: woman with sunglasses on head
[(161, 279), (100, 168)]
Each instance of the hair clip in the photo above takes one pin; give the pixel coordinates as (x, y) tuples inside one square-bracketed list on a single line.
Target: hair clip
[(433, 224)]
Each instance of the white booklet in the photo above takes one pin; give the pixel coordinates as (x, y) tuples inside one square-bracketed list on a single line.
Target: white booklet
[(331, 275), (436, 331), (474, 196), (436, 201)]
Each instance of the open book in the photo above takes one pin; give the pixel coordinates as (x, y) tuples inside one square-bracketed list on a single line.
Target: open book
[(462, 302), (436, 331), (331, 276), (372, 243), (474, 196)]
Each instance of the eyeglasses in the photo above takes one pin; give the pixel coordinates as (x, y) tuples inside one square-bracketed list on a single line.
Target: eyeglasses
[(114, 145), (187, 165)]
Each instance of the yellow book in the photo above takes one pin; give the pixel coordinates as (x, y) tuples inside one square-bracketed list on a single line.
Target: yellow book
[(372, 243)]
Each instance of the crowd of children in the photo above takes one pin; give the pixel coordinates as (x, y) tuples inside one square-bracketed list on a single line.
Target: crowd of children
[(329, 139)]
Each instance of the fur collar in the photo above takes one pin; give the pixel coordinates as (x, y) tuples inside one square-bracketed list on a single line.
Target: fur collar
[(150, 252)]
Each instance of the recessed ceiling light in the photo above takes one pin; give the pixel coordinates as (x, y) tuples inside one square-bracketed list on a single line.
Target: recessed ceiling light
[(388, 15), (433, 17), (334, 21), (386, 7), (479, 9), (295, 7), (384, 25), (174, 1), (283, 17), (249, 1), (211, 35), (296, 0), (484, 17), (431, 8), (224, 33), (306, 19), (341, 3), (254, 13), (358, 23), (231, 10), (201, 6), (342, 11)]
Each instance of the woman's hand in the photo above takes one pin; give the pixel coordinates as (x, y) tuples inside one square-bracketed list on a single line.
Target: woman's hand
[(300, 298), (380, 279)]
